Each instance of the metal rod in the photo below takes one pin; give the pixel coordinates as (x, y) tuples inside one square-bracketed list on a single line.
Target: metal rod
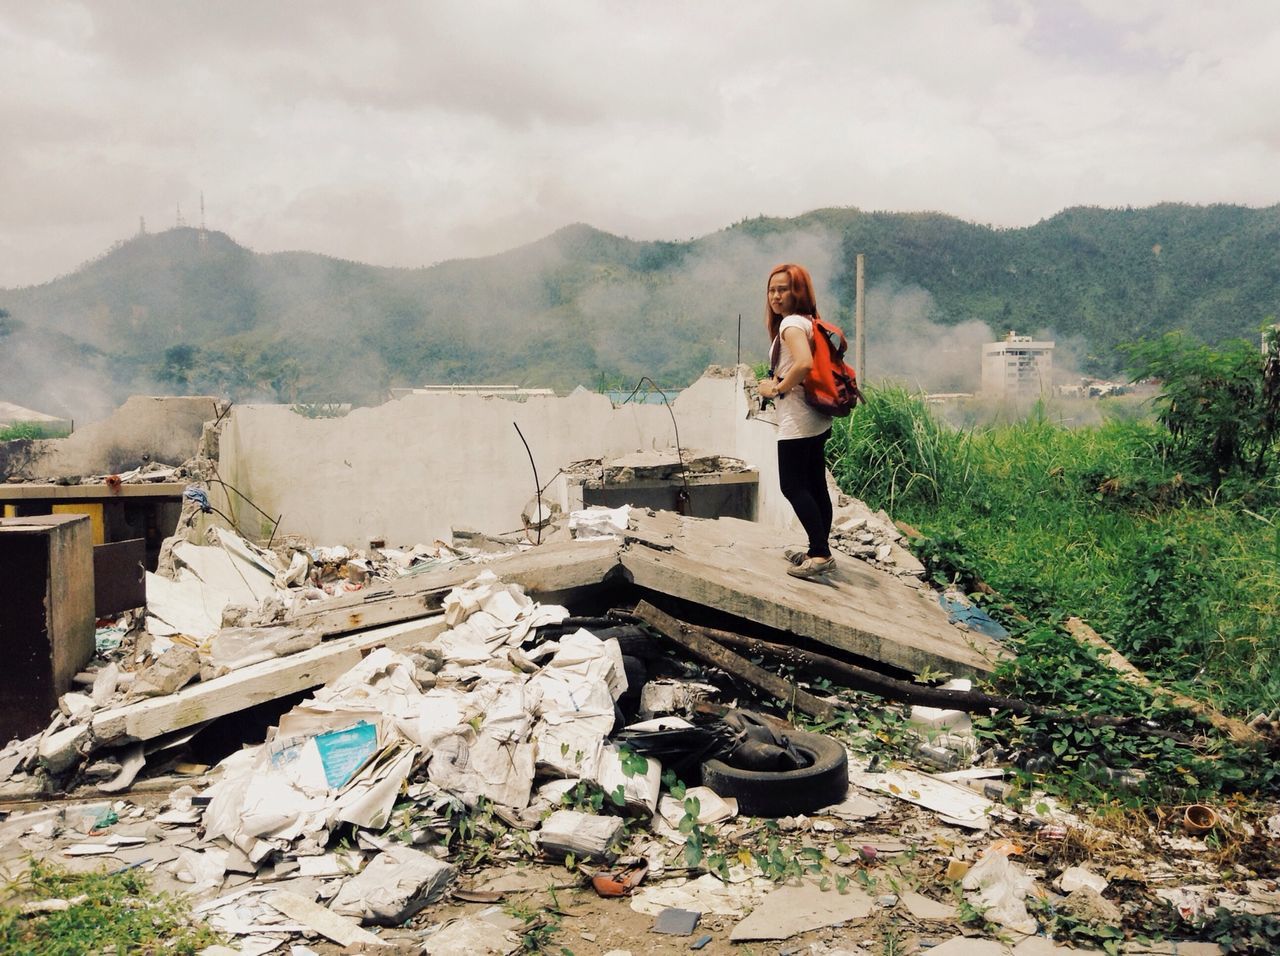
[(860, 319), (537, 492)]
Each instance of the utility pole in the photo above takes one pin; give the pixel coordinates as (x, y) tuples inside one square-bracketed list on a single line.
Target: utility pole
[(860, 321)]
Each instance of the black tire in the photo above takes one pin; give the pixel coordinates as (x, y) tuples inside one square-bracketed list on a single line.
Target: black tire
[(762, 793)]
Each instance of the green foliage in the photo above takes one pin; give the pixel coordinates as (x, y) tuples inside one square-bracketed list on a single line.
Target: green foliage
[(893, 451), (1045, 522), (633, 764), (1060, 673), (472, 835), (540, 926), (1164, 614), (1063, 927), (1243, 934), (30, 431), (1092, 522), (120, 912), (1221, 405), (320, 409)]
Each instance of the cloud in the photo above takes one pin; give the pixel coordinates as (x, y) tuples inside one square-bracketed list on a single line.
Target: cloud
[(404, 133)]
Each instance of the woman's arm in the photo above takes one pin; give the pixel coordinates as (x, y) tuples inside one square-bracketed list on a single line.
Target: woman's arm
[(801, 361)]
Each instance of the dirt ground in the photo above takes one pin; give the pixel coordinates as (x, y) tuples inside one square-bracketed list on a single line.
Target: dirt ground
[(912, 853)]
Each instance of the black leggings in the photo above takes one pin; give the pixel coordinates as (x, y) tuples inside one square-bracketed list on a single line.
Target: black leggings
[(802, 473)]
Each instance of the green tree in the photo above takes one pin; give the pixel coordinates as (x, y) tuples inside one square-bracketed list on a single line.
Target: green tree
[(1221, 406), (176, 367)]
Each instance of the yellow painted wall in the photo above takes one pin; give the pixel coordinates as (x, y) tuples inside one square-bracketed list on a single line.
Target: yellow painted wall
[(94, 511)]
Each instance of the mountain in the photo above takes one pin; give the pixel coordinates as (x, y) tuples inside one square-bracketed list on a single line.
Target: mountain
[(189, 310)]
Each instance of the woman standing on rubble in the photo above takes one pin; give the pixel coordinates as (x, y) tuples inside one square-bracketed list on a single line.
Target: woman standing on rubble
[(802, 431)]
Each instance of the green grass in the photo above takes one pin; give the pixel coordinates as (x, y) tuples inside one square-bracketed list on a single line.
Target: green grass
[(1089, 522), (119, 911), (30, 431)]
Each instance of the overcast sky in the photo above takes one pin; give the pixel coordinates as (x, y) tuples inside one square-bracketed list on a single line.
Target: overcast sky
[(403, 133)]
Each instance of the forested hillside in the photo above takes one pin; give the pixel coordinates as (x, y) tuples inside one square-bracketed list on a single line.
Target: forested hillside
[(186, 310)]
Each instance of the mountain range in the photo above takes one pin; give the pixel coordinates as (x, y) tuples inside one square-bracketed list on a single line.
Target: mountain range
[(192, 311)]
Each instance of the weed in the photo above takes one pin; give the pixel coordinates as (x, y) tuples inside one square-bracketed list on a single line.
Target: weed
[(473, 836), (969, 915), (540, 926), (118, 911), (1244, 934), (320, 409), (31, 431), (1062, 926), (633, 764)]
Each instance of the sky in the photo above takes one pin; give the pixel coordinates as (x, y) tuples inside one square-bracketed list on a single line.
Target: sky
[(406, 133)]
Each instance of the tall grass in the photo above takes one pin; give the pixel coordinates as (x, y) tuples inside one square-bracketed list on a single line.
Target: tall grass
[(1089, 522), (894, 452)]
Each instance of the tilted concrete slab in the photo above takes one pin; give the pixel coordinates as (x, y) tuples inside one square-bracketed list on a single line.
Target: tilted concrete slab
[(731, 565), (738, 567)]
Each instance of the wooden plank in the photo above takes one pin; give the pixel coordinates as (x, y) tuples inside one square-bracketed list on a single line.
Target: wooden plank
[(737, 567), (243, 688), (545, 571), (1236, 729), (709, 652)]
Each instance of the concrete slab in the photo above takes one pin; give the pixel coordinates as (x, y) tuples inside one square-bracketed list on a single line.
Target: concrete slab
[(791, 910), (738, 567)]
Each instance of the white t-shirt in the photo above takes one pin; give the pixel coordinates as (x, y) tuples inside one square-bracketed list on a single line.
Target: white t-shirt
[(796, 417)]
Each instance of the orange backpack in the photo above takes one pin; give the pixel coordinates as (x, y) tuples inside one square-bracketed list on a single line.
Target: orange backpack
[(831, 386)]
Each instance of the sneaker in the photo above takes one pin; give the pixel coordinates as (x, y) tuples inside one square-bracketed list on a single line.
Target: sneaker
[(796, 555), (812, 567)]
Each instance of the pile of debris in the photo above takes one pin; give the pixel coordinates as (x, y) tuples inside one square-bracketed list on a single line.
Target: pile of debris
[(872, 537), (152, 472), (486, 747)]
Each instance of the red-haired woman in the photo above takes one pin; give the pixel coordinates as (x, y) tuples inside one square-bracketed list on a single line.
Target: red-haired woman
[(802, 430)]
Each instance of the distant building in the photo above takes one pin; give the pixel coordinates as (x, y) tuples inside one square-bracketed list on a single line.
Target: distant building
[(1017, 367), (48, 425), (487, 391)]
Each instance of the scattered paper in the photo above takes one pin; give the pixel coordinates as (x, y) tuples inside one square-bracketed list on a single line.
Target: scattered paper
[(954, 803)]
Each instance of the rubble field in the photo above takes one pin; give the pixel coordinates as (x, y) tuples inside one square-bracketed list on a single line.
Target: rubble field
[(485, 746)]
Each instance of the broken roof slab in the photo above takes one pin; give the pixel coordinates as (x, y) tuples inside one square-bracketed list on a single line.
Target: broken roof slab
[(738, 568), (735, 567)]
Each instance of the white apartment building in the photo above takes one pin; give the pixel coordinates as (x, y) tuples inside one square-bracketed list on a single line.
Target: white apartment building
[(1017, 366)]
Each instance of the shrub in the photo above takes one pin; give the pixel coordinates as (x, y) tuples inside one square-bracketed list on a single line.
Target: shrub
[(1221, 406)]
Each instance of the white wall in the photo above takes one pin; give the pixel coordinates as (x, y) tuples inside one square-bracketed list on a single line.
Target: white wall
[(145, 428), (412, 469)]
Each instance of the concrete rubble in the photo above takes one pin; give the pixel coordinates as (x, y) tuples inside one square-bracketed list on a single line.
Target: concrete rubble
[(367, 813)]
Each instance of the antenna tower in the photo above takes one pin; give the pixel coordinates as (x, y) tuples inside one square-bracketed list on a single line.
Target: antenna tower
[(204, 236), (180, 221)]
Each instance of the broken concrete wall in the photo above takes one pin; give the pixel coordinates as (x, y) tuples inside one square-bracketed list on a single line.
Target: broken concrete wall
[(411, 470), (145, 428)]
